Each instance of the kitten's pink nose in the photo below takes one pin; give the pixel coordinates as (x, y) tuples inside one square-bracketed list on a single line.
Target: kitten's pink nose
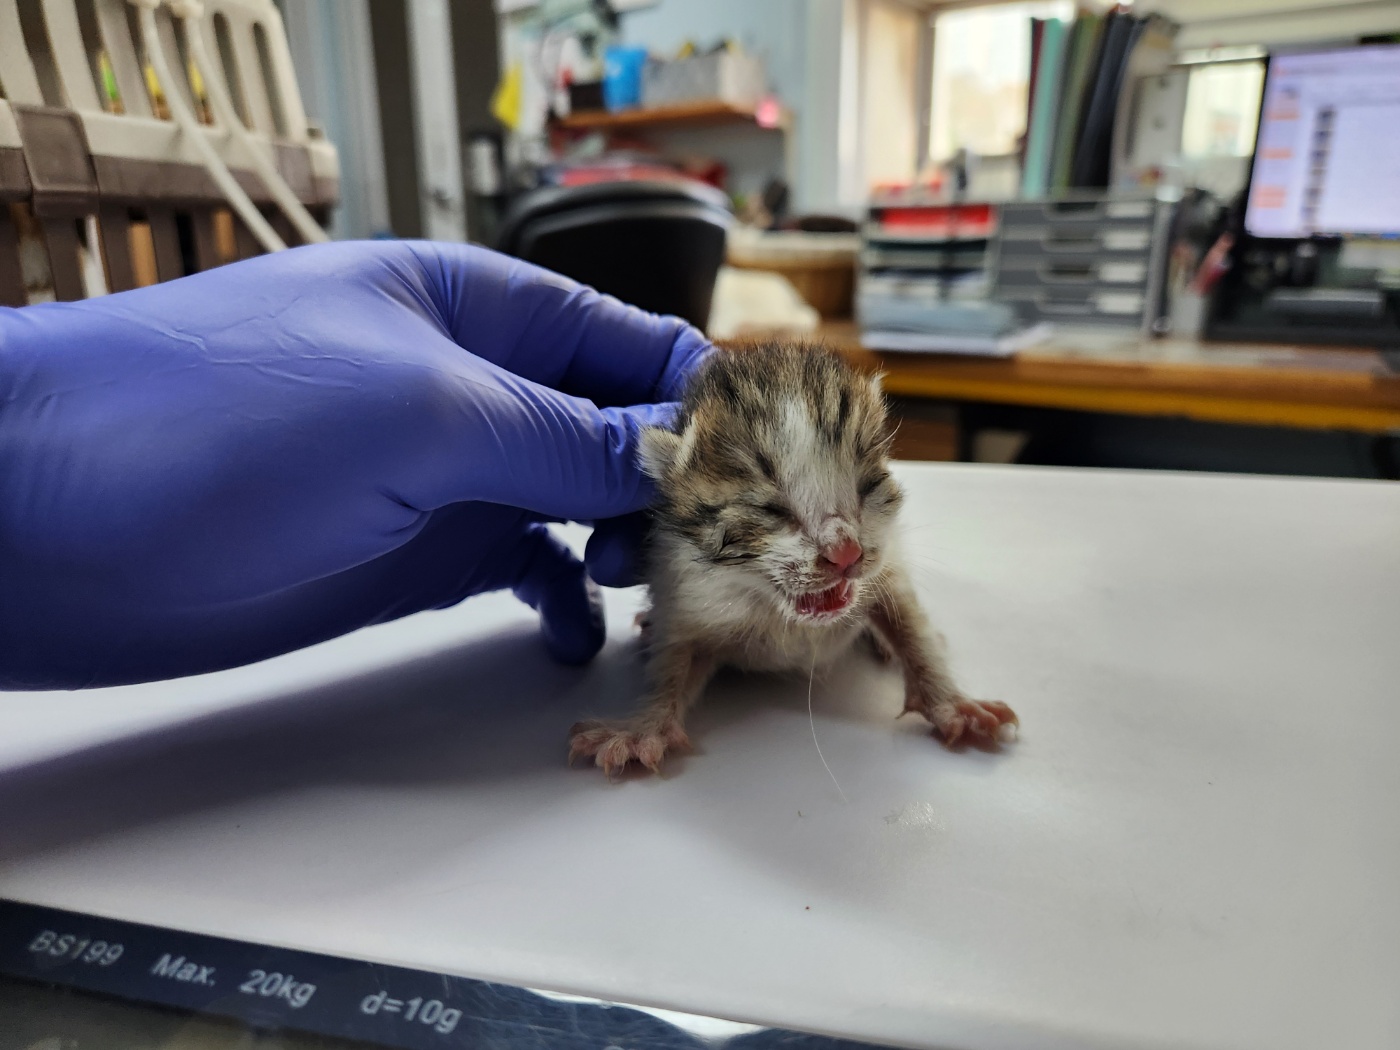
[(842, 556)]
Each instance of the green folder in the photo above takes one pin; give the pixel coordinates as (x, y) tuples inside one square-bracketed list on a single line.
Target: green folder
[(1040, 136), (1083, 60)]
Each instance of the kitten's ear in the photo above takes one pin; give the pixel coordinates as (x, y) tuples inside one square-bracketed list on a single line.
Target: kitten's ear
[(658, 452), (877, 390)]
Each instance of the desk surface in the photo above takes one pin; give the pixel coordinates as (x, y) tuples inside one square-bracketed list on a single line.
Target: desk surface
[(1193, 845), (1310, 387)]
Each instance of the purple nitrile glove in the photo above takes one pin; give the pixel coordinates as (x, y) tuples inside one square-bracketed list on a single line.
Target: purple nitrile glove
[(219, 469)]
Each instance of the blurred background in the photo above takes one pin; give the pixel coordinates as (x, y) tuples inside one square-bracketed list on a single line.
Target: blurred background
[(1156, 235)]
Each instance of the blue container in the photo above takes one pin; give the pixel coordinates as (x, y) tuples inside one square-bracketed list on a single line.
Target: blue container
[(622, 76)]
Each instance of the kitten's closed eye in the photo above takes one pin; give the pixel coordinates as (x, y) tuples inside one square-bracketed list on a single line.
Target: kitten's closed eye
[(749, 528), (733, 555), (736, 544), (872, 482)]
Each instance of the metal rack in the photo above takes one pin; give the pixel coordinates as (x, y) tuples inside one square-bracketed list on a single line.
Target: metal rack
[(100, 190)]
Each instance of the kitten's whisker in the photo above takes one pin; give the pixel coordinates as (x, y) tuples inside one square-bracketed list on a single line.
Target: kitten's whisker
[(925, 560), (812, 718)]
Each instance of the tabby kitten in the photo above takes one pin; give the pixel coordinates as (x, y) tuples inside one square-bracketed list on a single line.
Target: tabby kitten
[(774, 548)]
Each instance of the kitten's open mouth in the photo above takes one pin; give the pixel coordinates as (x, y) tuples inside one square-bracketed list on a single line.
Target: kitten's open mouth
[(822, 604)]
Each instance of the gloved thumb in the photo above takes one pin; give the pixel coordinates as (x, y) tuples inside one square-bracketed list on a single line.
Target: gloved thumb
[(554, 583)]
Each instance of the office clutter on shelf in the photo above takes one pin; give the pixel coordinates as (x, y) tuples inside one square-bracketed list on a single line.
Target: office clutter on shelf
[(1197, 258), (631, 165), (622, 76), (725, 74), (691, 85)]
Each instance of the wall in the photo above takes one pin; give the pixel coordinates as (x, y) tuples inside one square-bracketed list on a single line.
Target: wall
[(819, 159)]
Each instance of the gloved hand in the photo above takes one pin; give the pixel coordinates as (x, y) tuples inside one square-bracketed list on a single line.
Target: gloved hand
[(208, 472)]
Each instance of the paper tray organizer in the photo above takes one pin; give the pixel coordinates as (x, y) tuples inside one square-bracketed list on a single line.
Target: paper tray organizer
[(99, 190)]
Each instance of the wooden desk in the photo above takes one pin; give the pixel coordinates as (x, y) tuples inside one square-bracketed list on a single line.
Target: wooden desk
[(1324, 389)]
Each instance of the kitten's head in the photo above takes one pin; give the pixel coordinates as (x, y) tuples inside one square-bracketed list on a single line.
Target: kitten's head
[(777, 475)]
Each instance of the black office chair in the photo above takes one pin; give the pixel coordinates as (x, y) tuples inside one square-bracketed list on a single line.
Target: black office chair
[(657, 245)]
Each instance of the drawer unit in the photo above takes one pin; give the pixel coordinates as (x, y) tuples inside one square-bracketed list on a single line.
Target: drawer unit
[(1076, 240), (1080, 209), (1096, 259), (1123, 307), (940, 258), (1090, 270)]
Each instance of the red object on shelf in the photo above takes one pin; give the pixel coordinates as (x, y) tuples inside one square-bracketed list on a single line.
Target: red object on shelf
[(768, 113), (620, 173), (939, 220), (711, 172)]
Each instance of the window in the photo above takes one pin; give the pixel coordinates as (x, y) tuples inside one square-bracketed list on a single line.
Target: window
[(1222, 110), (981, 76), (889, 115)]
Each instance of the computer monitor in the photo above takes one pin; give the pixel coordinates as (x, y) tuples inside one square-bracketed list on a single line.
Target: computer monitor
[(1327, 157)]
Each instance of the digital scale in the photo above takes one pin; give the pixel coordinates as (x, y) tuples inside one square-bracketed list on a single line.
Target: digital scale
[(1191, 844), (70, 981)]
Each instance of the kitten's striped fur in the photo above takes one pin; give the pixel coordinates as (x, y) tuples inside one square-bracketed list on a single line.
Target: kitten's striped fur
[(775, 478)]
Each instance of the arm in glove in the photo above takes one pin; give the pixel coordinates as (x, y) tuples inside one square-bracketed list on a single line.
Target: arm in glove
[(212, 471)]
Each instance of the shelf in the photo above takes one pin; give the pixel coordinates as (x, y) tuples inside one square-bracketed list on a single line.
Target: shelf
[(690, 114)]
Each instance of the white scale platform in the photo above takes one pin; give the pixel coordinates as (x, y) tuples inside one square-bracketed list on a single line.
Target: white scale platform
[(1194, 844)]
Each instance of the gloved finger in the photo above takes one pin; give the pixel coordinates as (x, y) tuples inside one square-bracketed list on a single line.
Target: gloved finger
[(553, 582), (552, 330), (614, 551), (464, 429)]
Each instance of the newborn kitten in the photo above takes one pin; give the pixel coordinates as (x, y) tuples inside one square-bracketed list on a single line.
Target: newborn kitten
[(773, 548)]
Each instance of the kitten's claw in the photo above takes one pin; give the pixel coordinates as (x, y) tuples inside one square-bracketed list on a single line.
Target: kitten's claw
[(952, 718), (615, 746)]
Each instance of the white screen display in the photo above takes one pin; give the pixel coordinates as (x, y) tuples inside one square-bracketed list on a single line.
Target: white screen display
[(1327, 159)]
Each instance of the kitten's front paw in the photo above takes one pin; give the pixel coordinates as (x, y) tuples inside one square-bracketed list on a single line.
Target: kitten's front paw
[(614, 746), (955, 716)]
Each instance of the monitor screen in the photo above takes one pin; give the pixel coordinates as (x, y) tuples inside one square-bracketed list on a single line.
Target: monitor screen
[(1327, 159)]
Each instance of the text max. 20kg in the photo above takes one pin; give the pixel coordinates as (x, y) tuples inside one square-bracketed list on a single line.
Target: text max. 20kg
[(278, 986)]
